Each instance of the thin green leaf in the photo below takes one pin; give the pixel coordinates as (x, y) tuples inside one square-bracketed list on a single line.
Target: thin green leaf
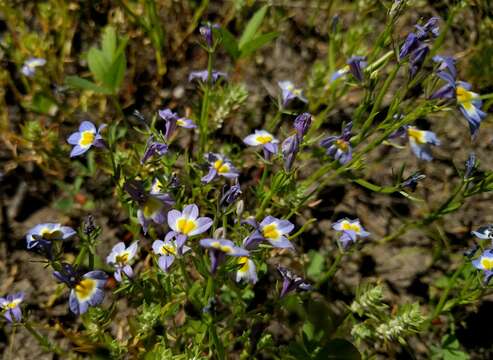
[(253, 26), (251, 46), (80, 83), (229, 42)]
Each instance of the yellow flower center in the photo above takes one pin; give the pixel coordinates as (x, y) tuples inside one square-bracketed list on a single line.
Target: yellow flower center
[(86, 138), (122, 258), (168, 250), (417, 135), (221, 167), (245, 266), (270, 231), (296, 92), (51, 234), (151, 206), (264, 139), (224, 248), (186, 226), (348, 226), (84, 289), (12, 305), (464, 97), (342, 145), (487, 263)]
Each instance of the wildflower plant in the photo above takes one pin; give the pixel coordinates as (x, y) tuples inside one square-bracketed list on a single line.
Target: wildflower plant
[(212, 250)]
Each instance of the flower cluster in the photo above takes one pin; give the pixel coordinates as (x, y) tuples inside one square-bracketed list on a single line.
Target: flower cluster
[(468, 101), (416, 45)]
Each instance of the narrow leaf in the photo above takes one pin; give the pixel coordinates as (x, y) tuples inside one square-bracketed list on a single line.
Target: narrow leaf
[(252, 26), (80, 83), (251, 46), (229, 42)]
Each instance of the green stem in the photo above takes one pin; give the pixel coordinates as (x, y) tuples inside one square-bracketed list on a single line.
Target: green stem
[(42, 340), (331, 272), (378, 102), (218, 345), (204, 113), (272, 124), (184, 273), (441, 303), (82, 254)]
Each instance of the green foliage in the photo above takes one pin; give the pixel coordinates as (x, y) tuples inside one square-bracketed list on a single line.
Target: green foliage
[(449, 349), (107, 65), (225, 102), (380, 324), (250, 40)]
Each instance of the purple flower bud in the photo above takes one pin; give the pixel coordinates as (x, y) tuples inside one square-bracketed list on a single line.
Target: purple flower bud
[(416, 59), (410, 44), (203, 76), (153, 148), (429, 30), (412, 181), (356, 65), (207, 33), (231, 195), (290, 148), (89, 225), (302, 124), (470, 165)]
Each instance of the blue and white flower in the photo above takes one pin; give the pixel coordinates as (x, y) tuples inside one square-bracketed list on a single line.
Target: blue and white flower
[(121, 259), (30, 65), (85, 138)]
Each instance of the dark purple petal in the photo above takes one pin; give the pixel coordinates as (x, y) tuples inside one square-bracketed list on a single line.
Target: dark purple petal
[(209, 176), (290, 148), (356, 65), (302, 124), (410, 44)]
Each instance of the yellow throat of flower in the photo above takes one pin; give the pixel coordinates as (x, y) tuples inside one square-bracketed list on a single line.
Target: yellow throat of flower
[(464, 97), (86, 138), (348, 226), (264, 139), (417, 135), (487, 263), (221, 167), (186, 226), (85, 288), (270, 231)]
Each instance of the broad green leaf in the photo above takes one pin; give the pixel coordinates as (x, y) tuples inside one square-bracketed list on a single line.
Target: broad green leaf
[(317, 264), (115, 74), (229, 42), (448, 350), (255, 44), (43, 104), (108, 43), (80, 83), (252, 26), (98, 64)]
